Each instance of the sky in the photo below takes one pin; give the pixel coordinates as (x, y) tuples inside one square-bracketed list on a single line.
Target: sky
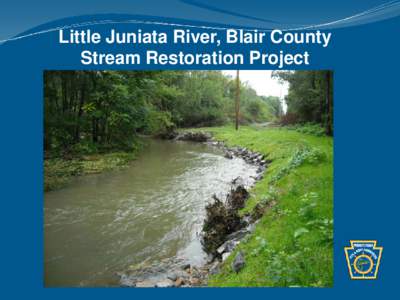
[(262, 83)]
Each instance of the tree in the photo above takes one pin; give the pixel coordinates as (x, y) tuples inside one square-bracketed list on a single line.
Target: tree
[(98, 110), (310, 97), (275, 105)]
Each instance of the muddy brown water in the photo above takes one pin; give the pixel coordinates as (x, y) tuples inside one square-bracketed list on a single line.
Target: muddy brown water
[(151, 211)]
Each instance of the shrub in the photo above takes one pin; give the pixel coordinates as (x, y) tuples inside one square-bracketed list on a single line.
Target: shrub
[(300, 156), (309, 128), (158, 122)]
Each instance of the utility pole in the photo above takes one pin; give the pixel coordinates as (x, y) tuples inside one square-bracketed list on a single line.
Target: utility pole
[(237, 100)]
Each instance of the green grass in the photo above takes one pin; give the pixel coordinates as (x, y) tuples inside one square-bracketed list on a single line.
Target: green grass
[(292, 244), (58, 172)]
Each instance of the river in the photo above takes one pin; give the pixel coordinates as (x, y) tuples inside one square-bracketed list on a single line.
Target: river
[(151, 211)]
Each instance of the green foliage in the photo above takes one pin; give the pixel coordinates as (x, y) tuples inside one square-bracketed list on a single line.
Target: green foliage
[(58, 172), (275, 106), (85, 148), (302, 154), (299, 232), (89, 110), (310, 97), (158, 122), (308, 128), (253, 108)]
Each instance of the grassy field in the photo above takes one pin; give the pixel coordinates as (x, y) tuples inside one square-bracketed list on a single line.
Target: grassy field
[(293, 242)]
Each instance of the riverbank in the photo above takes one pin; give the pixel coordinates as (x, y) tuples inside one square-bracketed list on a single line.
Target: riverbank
[(136, 226), (59, 171), (292, 244)]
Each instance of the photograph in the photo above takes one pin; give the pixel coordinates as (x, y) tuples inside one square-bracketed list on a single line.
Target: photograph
[(188, 178)]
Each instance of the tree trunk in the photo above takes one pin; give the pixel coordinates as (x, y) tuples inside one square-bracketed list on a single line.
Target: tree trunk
[(94, 130), (64, 93), (79, 116), (329, 103)]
